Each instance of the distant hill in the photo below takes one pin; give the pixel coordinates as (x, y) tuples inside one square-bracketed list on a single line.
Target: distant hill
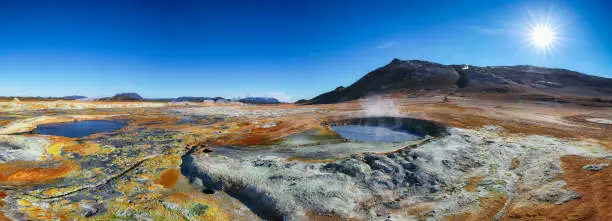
[(129, 96), (259, 100), (74, 97), (197, 99), (416, 75), (39, 98)]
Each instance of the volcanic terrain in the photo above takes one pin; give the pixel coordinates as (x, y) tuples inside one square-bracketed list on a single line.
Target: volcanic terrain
[(413, 140)]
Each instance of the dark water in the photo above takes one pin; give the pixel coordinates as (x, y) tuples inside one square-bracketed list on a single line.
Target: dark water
[(374, 134), (80, 128)]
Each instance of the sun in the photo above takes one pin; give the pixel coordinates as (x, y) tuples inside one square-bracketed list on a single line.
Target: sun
[(542, 36)]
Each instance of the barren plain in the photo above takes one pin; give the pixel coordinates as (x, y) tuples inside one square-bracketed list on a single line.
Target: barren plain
[(479, 158)]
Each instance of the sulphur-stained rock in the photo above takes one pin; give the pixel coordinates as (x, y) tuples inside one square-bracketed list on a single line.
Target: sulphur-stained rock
[(554, 193), (89, 210), (19, 148)]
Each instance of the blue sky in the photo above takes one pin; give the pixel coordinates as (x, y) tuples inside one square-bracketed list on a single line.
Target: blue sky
[(287, 49)]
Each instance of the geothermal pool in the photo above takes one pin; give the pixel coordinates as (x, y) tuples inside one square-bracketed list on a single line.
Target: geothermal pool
[(80, 128), (374, 134)]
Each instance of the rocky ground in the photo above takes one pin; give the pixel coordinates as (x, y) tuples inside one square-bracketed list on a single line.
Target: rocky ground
[(384, 185), (482, 160)]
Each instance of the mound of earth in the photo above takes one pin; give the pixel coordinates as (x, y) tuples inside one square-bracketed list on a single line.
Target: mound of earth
[(130, 96), (415, 75)]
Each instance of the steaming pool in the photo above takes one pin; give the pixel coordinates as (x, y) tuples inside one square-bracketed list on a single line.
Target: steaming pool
[(386, 129), (366, 133), (80, 128)]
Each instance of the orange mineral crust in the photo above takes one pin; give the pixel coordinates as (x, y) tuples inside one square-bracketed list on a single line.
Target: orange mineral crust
[(595, 187), (23, 173), (169, 178)]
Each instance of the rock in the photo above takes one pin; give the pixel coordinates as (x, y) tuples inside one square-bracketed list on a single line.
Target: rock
[(269, 125), (380, 181), (392, 205), (408, 165), (264, 163), (515, 163), (380, 165), (20, 148), (178, 209), (198, 209), (492, 128), (599, 120), (125, 212), (197, 183), (550, 84), (595, 167), (143, 216), (571, 195), (554, 193), (88, 210), (351, 167)]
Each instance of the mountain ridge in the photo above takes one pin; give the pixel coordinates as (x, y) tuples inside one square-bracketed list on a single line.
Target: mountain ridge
[(419, 75)]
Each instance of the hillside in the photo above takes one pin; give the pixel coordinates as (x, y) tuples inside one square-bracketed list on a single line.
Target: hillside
[(129, 96), (415, 75), (259, 100)]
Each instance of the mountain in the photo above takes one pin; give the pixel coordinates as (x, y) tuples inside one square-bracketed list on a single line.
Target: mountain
[(259, 100), (416, 75), (197, 99), (130, 96), (74, 97)]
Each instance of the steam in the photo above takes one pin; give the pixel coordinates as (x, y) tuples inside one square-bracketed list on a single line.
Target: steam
[(378, 106)]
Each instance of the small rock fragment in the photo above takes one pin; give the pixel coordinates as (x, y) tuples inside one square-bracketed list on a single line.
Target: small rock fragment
[(88, 210), (515, 163), (595, 167), (269, 125)]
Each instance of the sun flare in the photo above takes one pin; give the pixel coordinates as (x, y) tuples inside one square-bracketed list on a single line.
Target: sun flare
[(543, 36)]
